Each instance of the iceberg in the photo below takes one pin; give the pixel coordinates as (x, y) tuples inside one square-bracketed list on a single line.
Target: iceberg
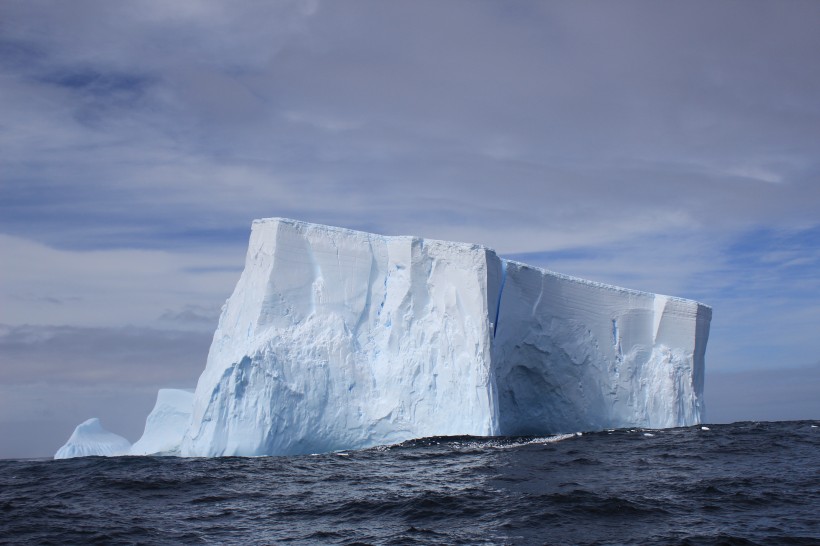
[(339, 339), (89, 439)]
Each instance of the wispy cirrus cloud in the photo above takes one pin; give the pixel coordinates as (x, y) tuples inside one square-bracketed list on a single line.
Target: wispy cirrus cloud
[(587, 126)]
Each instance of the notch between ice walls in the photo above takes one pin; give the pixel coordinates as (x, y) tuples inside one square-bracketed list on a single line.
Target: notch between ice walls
[(340, 339)]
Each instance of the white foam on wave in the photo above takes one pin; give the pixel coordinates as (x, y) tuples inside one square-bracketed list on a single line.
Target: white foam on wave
[(490, 443), (545, 440)]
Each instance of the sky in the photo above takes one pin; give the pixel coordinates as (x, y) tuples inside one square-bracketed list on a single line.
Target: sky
[(667, 147)]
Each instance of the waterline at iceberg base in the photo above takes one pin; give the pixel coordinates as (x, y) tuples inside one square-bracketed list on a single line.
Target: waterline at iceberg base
[(339, 339)]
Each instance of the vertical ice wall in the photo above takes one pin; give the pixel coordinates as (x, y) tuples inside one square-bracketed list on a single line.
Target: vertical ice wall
[(574, 355), (335, 339), (338, 339)]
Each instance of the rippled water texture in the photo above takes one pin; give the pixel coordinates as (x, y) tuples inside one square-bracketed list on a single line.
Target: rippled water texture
[(747, 483)]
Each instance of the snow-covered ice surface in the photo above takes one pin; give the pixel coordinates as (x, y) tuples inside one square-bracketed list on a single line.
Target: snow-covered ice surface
[(337, 339), (166, 424), (90, 438)]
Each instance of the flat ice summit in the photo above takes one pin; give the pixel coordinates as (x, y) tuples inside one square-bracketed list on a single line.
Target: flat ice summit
[(340, 339)]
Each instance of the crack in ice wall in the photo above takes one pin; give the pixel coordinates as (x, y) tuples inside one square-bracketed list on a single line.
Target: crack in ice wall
[(500, 294), (659, 308)]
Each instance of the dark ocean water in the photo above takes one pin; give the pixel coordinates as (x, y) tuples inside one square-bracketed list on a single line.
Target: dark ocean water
[(746, 483)]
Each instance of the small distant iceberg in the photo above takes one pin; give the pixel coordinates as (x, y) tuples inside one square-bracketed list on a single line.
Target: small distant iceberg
[(165, 428), (90, 439)]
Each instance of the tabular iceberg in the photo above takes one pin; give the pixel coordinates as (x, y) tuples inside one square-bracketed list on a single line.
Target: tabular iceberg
[(339, 339)]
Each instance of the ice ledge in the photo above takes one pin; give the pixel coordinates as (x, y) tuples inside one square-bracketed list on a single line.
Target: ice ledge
[(303, 225)]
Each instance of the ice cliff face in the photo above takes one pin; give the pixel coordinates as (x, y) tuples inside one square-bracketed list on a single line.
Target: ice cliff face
[(571, 355), (166, 425), (337, 339)]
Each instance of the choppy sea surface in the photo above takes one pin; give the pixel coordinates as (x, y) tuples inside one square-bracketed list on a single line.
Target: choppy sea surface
[(745, 483)]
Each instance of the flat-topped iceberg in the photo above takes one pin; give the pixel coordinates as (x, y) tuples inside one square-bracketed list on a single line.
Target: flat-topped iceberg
[(340, 339)]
